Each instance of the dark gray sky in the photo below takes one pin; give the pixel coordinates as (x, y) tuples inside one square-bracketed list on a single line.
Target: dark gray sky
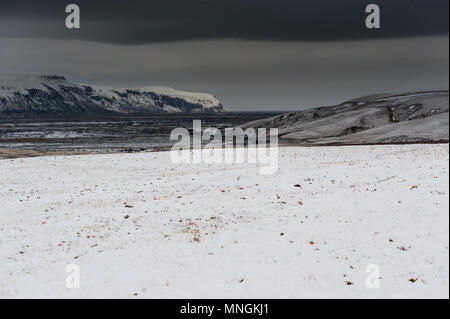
[(252, 54)]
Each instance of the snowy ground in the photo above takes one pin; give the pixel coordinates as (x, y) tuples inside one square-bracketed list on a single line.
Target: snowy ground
[(140, 227)]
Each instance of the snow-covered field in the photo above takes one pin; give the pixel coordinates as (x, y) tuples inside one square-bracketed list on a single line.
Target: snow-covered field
[(139, 226)]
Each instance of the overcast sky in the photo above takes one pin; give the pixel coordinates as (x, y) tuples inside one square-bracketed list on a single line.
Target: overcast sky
[(251, 54)]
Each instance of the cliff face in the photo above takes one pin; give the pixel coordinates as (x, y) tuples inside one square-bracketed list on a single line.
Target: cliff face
[(381, 118), (54, 96)]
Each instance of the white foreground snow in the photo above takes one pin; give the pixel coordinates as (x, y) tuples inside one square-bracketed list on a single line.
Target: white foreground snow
[(140, 227)]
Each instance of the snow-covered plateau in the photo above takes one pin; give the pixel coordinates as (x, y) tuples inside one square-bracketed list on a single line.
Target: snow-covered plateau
[(54, 96), (348, 221)]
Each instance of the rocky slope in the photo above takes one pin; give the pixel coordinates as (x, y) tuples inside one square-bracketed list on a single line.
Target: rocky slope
[(54, 96), (381, 118)]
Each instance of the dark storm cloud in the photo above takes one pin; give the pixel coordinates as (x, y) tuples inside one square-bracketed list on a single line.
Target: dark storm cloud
[(244, 75), (139, 21), (252, 54)]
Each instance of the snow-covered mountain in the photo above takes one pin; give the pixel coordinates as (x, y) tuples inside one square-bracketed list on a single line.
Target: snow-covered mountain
[(52, 95), (379, 118)]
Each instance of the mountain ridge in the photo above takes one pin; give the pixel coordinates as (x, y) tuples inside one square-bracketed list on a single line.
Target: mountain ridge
[(26, 96)]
